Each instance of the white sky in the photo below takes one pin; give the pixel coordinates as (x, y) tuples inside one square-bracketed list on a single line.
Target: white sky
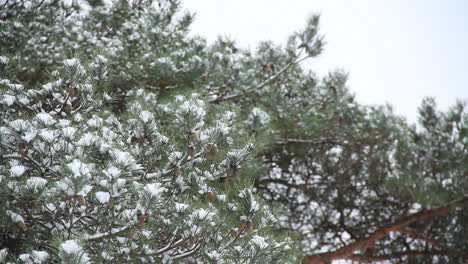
[(396, 51)]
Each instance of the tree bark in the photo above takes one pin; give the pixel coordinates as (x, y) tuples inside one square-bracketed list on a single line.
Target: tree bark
[(346, 252)]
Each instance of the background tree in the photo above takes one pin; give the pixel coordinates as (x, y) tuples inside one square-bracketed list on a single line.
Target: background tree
[(124, 138), (358, 182)]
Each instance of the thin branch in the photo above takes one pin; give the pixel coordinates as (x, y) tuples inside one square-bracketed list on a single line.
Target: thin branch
[(107, 235), (40, 4), (303, 187), (189, 252), (163, 88), (23, 157), (430, 241), (260, 86), (64, 104), (170, 244), (287, 141)]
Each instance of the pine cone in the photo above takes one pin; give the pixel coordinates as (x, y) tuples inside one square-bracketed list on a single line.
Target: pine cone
[(80, 200), (176, 171), (72, 91), (193, 137), (211, 196), (22, 225), (193, 240), (242, 225), (154, 164), (37, 207), (147, 217), (212, 151), (235, 174), (22, 149), (250, 226), (191, 152), (141, 220)]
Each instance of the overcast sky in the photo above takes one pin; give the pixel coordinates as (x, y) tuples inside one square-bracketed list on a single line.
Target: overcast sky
[(396, 51)]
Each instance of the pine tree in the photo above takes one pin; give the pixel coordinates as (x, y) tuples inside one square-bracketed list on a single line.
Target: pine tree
[(109, 150), (124, 138)]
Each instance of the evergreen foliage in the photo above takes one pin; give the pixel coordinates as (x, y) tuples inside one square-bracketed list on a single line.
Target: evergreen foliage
[(126, 139)]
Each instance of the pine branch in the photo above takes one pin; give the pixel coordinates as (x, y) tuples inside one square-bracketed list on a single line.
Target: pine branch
[(346, 252), (258, 87)]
